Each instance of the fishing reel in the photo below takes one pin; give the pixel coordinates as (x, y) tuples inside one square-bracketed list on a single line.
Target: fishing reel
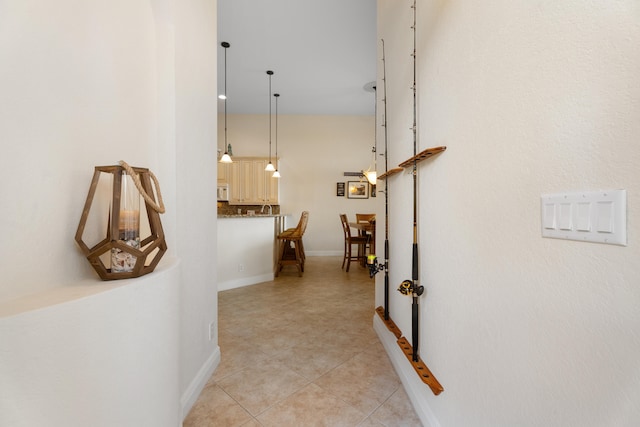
[(374, 266), (408, 288)]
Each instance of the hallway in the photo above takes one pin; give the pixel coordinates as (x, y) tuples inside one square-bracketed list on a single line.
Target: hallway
[(301, 351)]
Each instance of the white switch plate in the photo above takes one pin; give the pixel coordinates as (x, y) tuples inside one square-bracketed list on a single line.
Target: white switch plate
[(589, 216)]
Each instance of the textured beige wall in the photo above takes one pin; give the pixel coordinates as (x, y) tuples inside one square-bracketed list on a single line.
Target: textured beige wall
[(529, 98)]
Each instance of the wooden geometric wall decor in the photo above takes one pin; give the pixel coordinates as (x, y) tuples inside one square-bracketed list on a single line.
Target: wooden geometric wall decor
[(143, 255)]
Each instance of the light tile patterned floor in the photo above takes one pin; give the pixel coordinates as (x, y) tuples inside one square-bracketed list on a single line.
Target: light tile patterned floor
[(301, 351)]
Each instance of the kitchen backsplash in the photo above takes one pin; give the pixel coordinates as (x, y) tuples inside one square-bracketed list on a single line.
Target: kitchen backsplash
[(224, 208)]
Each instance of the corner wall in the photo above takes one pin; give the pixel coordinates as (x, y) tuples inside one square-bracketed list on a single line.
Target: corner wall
[(196, 176), (85, 84), (529, 98)]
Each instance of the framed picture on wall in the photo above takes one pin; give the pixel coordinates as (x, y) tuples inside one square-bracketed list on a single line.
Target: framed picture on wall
[(340, 189), (357, 190)]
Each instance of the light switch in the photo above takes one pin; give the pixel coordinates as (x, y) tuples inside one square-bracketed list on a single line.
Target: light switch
[(583, 216), (605, 217), (549, 216), (589, 216), (564, 223)]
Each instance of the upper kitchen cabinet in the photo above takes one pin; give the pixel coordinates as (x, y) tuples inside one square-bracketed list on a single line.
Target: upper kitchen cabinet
[(223, 173), (266, 186), (241, 185), (249, 183)]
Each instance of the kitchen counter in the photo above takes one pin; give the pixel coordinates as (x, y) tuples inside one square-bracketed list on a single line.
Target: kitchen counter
[(253, 216), (247, 248)]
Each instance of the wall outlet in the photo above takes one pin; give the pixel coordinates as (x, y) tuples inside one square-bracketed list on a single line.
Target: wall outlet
[(240, 267), (212, 331)]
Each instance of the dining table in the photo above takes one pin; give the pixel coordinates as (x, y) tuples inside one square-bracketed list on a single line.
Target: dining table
[(370, 229)]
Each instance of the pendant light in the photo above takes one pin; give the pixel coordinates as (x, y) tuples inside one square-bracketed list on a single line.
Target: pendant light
[(226, 157), (276, 174), (270, 167), (371, 173)]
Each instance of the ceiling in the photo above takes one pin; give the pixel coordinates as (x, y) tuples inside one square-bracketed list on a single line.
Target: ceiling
[(322, 53)]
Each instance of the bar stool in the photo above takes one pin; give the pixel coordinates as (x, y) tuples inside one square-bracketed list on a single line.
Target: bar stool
[(349, 241), (291, 246)]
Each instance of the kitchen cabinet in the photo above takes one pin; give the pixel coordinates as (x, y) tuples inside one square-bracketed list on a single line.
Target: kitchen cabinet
[(249, 184), (266, 187), (223, 173), (240, 182)]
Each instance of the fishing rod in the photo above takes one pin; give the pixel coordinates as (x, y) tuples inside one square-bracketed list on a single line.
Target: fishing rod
[(374, 268), (386, 188), (412, 286)]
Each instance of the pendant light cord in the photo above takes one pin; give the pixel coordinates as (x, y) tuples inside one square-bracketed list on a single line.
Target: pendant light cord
[(225, 99), (277, 95), (225, 157), (269, 73)]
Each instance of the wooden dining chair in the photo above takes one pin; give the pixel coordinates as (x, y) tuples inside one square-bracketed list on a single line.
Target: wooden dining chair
[(349, 240)]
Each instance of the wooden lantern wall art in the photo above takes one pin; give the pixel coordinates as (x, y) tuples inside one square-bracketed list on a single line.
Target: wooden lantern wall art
[(131, 247)]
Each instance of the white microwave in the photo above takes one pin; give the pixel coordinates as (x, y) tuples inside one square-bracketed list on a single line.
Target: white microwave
[(223, 192)]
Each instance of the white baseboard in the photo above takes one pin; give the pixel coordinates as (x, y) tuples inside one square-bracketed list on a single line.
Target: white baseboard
[(244, 281), (325, 253), (192, 392), (413, 385)]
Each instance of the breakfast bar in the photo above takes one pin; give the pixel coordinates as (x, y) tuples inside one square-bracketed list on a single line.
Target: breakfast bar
[(247, 248)]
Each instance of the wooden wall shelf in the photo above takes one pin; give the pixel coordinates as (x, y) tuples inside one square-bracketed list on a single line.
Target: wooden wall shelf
[(423, 155)]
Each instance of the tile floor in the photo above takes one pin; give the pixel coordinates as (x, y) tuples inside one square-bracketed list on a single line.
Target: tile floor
[(301, 351)]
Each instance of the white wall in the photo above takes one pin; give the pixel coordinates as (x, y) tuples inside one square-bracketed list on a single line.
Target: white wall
[(84, 85), (73, 362), (196, 177), (79, 90), (314, 153), (529, 98)]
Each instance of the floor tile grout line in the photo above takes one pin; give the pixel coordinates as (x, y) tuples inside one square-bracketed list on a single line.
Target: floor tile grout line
[(284, 295), (275, 403)]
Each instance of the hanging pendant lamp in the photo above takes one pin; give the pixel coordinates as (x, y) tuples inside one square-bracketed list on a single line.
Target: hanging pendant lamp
[(371, 174), (226, 157), (270, 167), (276, 174)]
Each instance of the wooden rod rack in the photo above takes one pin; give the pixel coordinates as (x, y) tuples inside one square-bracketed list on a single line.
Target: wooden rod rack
[(390, 323), (423, 155), (420, 367), (390, 172)]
